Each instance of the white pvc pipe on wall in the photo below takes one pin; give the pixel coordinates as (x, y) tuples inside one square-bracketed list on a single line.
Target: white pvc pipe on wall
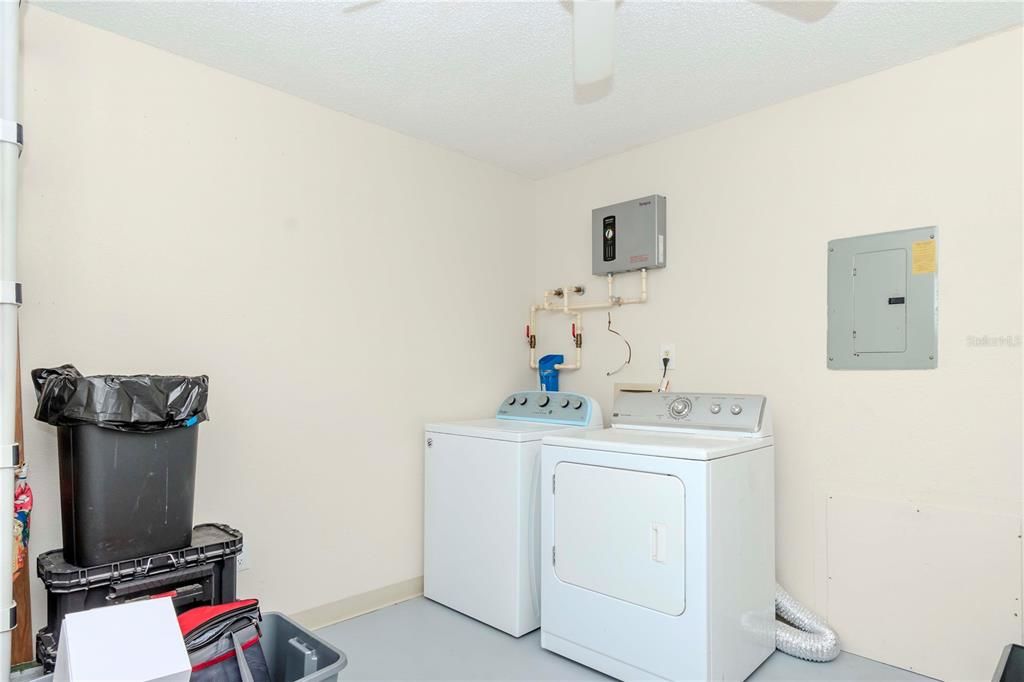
[(10, 42), (576, 310)]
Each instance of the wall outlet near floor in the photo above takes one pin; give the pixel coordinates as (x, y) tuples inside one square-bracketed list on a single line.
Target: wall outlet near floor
[(668, 350), (242, 561)]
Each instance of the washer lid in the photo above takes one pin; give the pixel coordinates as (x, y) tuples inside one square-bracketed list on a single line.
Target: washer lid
[(500, 429), (658, 443)]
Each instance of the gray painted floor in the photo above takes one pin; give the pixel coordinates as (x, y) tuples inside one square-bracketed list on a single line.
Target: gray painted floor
[(421, 640)]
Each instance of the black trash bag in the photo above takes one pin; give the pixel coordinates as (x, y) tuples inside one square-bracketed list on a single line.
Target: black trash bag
[(142, 402)]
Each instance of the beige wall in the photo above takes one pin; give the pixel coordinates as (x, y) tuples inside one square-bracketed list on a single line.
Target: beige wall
[(752, 203), (341, 273), (329, 275)]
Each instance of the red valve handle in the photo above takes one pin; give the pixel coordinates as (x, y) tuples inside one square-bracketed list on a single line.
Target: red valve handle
[(574, 331)]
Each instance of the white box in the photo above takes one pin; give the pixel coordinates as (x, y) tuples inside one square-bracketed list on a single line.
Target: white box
[(135, 642)]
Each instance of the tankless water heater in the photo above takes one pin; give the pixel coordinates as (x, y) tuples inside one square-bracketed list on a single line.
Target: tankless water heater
[(629, 236)]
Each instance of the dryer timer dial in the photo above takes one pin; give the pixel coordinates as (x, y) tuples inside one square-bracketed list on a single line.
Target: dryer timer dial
[(680, 407)]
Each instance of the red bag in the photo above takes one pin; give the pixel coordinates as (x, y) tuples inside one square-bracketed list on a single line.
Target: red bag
[(223, 642)]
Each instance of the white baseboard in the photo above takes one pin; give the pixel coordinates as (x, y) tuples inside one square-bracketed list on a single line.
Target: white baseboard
[(358, 604)]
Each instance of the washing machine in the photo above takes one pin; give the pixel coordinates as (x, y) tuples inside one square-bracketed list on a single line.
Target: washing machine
[(481, 534), (659, 535)]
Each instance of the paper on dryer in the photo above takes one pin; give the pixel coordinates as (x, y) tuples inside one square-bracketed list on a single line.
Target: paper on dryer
[(138, 642)]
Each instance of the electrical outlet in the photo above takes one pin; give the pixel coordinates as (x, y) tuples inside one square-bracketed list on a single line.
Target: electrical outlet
[(668, 350), (242, 561)]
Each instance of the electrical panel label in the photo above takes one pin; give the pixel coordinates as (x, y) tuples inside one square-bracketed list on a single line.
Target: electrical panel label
[(922, 257)]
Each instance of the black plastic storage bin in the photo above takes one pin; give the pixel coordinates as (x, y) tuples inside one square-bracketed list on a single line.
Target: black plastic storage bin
[(125, 494), (201, 574)]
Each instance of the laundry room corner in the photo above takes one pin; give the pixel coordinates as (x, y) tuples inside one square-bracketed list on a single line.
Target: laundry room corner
[(744, 303), (150, 168), (547, 341)]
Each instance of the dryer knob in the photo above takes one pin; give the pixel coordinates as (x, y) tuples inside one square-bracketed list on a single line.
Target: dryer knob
[(680, 407), (577, 404), (543, 401), (736, 409), (716, 408), (511, 400), (564, 403), (522, 401)]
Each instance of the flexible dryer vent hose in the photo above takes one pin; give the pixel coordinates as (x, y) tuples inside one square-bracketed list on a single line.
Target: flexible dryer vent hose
[(803, 634)]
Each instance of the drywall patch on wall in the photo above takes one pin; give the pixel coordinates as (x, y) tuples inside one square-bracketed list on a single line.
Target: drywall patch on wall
[(924, 564)]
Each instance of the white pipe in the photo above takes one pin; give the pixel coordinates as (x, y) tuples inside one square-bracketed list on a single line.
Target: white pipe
[(643, 291), (10, 37), (566, 308), (613, 301), (577, 319), (530, 331)]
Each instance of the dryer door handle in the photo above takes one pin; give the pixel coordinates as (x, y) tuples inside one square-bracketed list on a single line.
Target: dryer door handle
[(658, 542)]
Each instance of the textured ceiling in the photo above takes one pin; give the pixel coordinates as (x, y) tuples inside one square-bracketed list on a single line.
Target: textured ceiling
[(494, 79)]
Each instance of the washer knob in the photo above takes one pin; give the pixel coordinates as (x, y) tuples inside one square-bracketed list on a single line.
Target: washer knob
[(577, 404), (543, 401), (564, 403), (736, 409), (522, 400), (680, 407), (715, 408), (511, 400)]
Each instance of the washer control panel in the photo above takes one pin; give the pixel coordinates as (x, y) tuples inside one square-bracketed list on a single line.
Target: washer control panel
[(542, 406), (693, 412)]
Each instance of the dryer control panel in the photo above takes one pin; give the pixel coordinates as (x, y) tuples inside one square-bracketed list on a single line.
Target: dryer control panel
[(710, 413), (553, 408)]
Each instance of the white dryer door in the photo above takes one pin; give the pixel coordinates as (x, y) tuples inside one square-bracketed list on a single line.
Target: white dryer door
[(621, 533)]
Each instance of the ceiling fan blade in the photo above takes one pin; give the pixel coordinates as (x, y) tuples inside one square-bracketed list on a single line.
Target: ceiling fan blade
[(807, 11), (593, 40)]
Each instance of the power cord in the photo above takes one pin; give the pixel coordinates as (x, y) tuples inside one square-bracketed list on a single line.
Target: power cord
[(629, 349), (663, 386)]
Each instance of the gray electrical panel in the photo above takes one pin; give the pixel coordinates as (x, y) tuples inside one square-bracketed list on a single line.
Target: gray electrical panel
[(629, 236), (883, 300)]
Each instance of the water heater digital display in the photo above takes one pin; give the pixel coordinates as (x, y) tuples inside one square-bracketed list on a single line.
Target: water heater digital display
[(609, 238), (629, 236)]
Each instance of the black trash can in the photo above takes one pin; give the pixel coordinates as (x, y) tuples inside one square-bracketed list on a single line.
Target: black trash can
[(125, 495), (127, 449)]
